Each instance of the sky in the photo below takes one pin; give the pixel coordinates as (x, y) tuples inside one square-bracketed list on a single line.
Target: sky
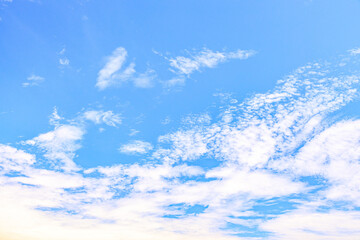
[(182, 120)]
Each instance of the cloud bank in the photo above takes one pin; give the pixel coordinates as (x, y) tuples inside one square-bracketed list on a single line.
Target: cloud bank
[(281, 149)]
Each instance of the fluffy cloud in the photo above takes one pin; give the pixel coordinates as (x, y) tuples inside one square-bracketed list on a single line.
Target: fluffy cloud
[(60, 145), (12, 159)]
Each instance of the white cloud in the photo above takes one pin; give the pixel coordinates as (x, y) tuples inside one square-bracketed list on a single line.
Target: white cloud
[(64, 61), (113, 73), (205, 59), (59, 145), (33, 80), (333, 154), (109, 75), (55, 118), (308, 224), (98, 117), (355, 51), (133, 132), (166, 121), (12, 159), (197, 119), (262, 148), (135, 147), (178, 81), (62, 51), (145, 80)]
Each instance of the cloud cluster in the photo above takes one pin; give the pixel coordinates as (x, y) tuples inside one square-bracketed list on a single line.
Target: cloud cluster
[(278, 149)]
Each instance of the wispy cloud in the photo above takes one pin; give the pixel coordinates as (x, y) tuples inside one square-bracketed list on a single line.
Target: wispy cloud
[(33, 80), (354, 51), (133, 132), (6, 1), (98, 117), (113, 73), (206, 58), (109, 75), (62, 51), (136, 147), (64, 61), (177, 81), (55, 118), (145, 80)]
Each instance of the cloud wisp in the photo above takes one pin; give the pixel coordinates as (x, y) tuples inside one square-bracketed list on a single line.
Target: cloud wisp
[(99, 117), (354, 51), (279, 148), (114, 74), (136, 147), (33, 80), (183, 67), (205, 59), (63, 60)]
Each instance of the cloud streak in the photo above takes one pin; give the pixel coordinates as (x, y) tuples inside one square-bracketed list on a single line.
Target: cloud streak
[(205, 59), (183, 66)]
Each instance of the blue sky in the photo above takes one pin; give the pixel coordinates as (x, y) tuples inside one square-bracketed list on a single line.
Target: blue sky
[(179, 119)]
